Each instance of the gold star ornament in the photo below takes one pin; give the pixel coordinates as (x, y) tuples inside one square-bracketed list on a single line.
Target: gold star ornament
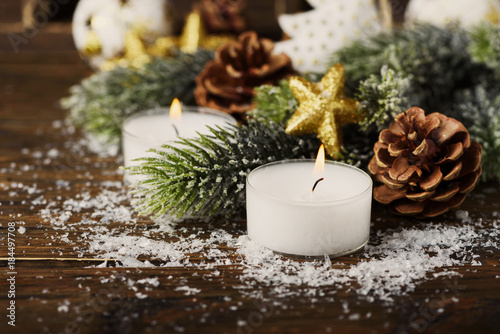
[(323, 109)]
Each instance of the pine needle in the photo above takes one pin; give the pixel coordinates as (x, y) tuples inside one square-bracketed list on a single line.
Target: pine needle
[(206, 175)]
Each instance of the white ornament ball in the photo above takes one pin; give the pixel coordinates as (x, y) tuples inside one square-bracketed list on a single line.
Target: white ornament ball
[(441, 12), (100, 27)]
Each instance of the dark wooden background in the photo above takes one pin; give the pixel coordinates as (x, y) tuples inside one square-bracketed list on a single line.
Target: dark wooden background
[(31, 82)]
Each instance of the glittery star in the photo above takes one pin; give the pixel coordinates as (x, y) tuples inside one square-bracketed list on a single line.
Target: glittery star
[(323, 109)]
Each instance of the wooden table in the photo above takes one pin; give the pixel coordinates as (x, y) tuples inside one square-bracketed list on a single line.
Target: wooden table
[(38, 158)]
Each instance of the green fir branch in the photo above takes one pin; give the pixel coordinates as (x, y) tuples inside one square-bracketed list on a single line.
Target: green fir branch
[(479, 110), (381, 98), (434, 59), (485, 45), (363, 57), (274, 104), (100, 103), (206, 175)]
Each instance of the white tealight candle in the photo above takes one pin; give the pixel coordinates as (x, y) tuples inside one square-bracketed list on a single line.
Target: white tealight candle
[(285, 215), (157, 127)]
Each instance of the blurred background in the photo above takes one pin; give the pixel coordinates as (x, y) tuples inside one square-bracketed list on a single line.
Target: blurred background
[(17, 16)]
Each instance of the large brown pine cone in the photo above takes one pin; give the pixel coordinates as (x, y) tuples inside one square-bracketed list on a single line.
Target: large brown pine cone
[(227, 83), (427, 164)]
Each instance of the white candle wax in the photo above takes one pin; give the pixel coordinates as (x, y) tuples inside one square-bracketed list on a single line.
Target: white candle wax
[(284, 214), (154, 128)]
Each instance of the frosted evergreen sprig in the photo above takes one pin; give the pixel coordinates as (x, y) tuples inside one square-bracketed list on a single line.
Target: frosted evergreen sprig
[(382, 97), (362, 58), (435, 59), (101, 102), (479, 110), (206, 175), (485, 45), (275, 104)]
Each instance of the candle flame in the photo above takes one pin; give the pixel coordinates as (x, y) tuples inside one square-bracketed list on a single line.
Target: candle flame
[(176, 110), (319, 166)]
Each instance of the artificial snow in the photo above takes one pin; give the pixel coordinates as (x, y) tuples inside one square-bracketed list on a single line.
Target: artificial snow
[(394, 262), (187, 290)]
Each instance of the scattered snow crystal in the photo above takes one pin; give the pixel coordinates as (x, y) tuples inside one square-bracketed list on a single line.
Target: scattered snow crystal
[(394, 262)]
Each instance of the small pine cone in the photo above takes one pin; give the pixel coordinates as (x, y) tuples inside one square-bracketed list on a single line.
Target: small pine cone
[(222, 16), (227, 83), (427, 164)]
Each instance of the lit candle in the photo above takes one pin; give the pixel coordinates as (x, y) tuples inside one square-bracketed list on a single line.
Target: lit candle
[(294, 209), (157, 127)]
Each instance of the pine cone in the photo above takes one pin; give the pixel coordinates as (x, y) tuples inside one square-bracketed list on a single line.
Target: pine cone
[(428, 164), (222, 16), (227, 83)]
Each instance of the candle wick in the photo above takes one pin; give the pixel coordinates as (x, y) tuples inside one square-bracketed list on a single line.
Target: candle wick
[(176, 130), (316, 183)]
